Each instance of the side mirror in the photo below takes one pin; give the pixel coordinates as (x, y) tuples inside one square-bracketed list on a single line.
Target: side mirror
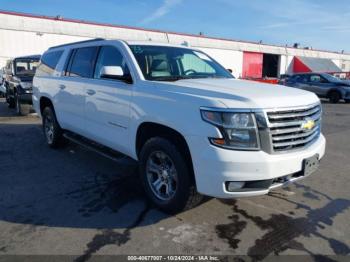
[(115, 72), (230, 70)]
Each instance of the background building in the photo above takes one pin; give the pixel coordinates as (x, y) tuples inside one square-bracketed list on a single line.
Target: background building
[(26, 34)]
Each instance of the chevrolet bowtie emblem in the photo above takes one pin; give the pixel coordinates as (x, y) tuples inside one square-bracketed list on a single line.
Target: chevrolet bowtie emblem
[(308, 124)]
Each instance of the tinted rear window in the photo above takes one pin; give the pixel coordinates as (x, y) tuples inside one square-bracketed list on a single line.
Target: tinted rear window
[(48, 63), (83, 62)]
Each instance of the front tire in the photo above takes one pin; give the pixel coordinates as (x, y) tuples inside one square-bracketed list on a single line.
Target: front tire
[(167, 177), (10, 100), (334, 97), (6, 95), (18, 105), (52, 131)]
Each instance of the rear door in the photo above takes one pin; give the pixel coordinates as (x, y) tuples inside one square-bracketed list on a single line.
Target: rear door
[(70, 100), (107, 106), (302, 82)]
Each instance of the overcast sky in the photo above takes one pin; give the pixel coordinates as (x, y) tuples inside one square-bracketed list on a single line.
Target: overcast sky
[(321, 24)]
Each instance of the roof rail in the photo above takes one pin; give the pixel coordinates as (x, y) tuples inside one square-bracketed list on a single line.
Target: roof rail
[(80, 42)]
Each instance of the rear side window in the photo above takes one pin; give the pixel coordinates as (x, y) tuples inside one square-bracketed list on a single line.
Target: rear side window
[(301, 78), (48, 63), (83, 61), (315, 78)]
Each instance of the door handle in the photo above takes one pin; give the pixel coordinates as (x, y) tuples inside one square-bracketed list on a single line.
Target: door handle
[(90, 92), (62, 87)]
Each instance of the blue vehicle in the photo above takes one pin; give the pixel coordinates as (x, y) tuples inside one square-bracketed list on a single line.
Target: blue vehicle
[(322, 84)]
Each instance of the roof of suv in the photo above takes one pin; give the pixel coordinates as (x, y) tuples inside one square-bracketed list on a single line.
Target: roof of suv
[(155, 44), (127, 42), (28, 57)]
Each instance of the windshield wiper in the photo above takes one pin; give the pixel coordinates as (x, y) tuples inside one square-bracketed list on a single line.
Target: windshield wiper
[(170, 78), (176, 78)]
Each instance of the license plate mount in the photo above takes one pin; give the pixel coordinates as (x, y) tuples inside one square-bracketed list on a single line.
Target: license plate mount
[(310, 165)]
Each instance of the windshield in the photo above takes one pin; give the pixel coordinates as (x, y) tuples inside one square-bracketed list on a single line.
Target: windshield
[(26, 66), (163, 63), (331, 78)]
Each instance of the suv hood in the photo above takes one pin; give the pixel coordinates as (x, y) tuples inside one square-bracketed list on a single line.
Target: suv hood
[(244, 94), (345, 82)]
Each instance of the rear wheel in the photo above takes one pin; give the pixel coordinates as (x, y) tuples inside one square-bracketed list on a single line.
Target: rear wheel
[(53, 132), (334, 97), (166, 176)]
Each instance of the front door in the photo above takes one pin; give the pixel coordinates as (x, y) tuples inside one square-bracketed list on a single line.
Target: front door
[(107, 107), (319, 85)]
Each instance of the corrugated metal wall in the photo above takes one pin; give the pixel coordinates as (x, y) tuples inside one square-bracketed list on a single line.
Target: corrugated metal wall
[(25, 34)]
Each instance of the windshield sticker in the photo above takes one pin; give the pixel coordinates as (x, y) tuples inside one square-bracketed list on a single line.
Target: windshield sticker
[(202, 56), (137, 49)]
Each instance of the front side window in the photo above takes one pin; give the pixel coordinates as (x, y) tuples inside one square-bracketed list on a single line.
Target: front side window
[(83, 62), (164, 63), (26, 66), (110, 56)]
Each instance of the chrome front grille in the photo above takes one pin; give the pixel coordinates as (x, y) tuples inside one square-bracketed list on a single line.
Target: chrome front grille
[(294, 128)]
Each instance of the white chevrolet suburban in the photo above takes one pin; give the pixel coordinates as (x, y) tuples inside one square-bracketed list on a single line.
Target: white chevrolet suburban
[(190, 125)]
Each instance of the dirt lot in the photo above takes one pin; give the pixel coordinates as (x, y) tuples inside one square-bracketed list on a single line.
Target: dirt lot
[(74, 202)]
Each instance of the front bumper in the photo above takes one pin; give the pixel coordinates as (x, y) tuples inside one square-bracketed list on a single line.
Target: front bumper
[(347, 95), (214, 166), (26, 98)]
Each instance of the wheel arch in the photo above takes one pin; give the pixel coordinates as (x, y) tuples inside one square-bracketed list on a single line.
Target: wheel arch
[(44, 102), (147, 130), (334, 90)]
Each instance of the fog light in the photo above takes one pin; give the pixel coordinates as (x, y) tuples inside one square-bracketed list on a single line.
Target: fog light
[(233, 186)]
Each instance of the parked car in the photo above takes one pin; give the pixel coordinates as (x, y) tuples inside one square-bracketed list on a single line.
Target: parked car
[(346, 81), (2, 86), (190, 125), (283, 78), (323, 85), (18, 78)]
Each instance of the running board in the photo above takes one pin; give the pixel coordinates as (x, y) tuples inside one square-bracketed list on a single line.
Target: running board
[(100, 149)]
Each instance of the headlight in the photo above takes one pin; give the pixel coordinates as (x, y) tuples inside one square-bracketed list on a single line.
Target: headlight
[(239, 129), (26, 85)]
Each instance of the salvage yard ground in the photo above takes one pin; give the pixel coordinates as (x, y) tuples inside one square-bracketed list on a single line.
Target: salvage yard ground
[(74, 202)]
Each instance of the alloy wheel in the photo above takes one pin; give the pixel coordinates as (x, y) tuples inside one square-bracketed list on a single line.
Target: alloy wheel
[(49, 129), (161, 175)]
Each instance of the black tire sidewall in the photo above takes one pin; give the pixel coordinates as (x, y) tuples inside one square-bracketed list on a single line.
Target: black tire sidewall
[(57, 132), (7, 97), (18, 105), (334, 97), (178, 202)]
